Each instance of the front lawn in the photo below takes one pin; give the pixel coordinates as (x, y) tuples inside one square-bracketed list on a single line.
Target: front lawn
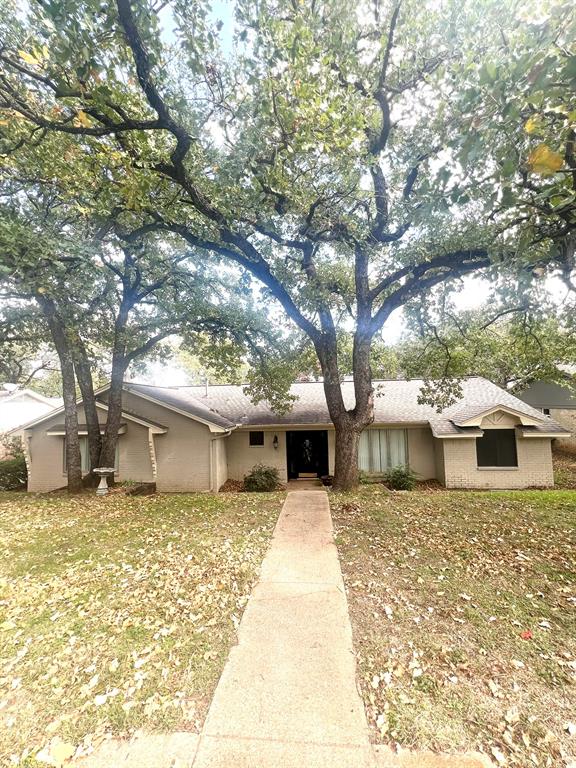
[(117, 613), (564, 470), (463, 608)]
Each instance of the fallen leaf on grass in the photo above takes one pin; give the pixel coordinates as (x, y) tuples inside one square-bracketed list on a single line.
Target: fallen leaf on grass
[(494, 688), (545, 624), (512, 716), (57, 753), (499, 756)]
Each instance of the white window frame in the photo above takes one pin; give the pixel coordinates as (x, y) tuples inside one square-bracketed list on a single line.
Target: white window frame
[(84, 456)]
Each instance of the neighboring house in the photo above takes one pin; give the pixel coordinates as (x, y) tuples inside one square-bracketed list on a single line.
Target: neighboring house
[(559, 403), (19, 406), (195, 438)]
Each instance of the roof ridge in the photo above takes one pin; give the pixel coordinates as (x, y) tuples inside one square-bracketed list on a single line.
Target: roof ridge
[(245, 383)]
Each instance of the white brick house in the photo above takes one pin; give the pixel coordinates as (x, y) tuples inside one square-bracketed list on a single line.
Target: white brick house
[(193, 438)]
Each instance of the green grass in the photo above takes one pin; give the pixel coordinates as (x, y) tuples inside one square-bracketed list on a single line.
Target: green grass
[(117, 613), (442, 586)]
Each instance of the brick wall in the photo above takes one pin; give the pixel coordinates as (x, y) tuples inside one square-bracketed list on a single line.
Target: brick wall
[(534, 465), (567, 418)]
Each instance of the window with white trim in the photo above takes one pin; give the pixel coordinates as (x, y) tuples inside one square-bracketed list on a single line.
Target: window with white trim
[(85, 457), (382, 449)]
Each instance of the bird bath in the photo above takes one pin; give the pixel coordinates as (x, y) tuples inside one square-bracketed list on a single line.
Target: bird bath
[(102, 489)]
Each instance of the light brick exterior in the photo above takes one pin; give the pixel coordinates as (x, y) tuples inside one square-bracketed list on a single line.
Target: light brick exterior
[(189, 457), (534, 465)]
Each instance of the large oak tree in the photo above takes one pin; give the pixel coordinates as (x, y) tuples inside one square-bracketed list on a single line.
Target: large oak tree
[(104, 299), (325, 151)]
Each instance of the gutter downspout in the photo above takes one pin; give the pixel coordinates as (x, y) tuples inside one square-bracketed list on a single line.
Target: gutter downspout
[(220, 436)]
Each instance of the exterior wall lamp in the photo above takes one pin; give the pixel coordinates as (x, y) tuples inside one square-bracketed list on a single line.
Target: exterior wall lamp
[(275, 442)]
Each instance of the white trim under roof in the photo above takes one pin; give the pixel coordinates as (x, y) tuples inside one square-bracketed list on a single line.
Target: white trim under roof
[(525, 434), (476, 420), (459, 435), (528, 435), (155, 427), (61, 431), (216, 428)]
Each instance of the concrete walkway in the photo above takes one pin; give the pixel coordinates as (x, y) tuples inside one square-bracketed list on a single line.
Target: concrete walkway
[(287, 696)]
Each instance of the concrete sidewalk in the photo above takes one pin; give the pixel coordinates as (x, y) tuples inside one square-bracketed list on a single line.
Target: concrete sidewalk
[(287, 696)]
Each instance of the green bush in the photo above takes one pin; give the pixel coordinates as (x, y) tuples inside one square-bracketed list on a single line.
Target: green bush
[(13, 474), (400, 479), (262, 478)]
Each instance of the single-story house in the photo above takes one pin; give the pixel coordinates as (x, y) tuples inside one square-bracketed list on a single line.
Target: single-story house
[(558, 402), (194, 438)]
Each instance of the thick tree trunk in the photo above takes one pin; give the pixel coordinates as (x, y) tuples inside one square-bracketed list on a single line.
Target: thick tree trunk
[(58, 333), (120, 363), (348, 424), (346, 460), (114, 420), (86, 384)]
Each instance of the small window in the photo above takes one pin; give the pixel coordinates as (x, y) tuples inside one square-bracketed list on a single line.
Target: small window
[(546, 411), (497, 448), (256, 438)]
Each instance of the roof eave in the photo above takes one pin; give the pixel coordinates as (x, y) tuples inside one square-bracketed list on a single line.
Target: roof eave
[(212, 426)]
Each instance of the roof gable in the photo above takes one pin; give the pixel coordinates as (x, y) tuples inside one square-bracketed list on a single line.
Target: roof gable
[(468, 418), (29, 394), (154, 426)]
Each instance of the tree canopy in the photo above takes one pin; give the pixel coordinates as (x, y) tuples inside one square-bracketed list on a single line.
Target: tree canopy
[(348, 158)]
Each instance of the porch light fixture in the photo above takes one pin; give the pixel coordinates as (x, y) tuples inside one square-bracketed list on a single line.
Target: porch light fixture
[(275, 442)]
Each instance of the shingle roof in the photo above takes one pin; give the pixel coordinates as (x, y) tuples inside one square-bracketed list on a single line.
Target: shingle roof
[(183, 399), (395, 402), (548, 428)]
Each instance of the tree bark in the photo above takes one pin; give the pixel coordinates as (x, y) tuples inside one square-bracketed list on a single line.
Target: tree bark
[(348, 423), (114, 420), (86, 384), (58, 333), (346, 459), (120, 363)]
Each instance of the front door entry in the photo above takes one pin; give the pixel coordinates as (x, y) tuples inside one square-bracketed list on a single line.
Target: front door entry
[(307, 453)]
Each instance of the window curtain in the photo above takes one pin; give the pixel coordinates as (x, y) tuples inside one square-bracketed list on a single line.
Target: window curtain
[(382, 449), (85, 458)]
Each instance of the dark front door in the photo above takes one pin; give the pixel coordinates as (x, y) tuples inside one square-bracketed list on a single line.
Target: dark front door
[(307, 453)]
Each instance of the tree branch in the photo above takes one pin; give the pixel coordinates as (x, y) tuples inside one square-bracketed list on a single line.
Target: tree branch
[(450, 266)]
